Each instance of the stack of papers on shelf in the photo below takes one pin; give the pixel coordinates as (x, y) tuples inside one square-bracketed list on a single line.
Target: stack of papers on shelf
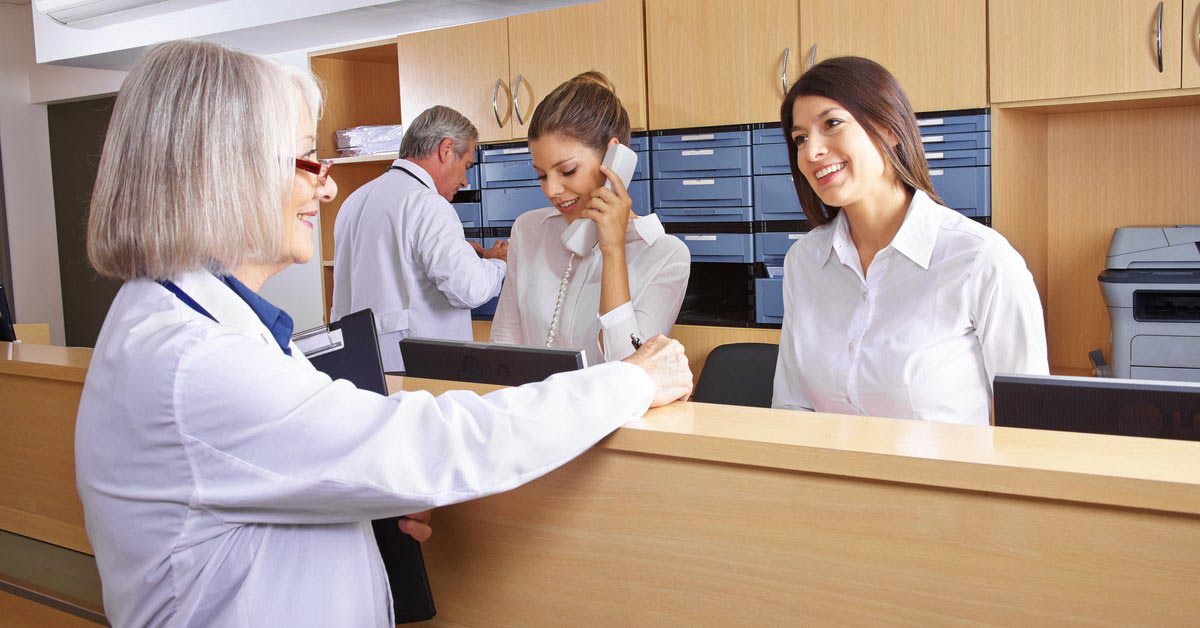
[(369, 140)]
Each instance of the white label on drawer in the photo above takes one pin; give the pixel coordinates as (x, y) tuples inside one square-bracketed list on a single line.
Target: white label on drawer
[(794, 236), (697, 138), (931, 122), (699, 181), (936, 173), (699, 238), (934, 155), (515, 151), (932, 138), (693, 153)]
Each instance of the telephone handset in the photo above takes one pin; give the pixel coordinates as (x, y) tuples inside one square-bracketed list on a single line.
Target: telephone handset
[(581, 236)]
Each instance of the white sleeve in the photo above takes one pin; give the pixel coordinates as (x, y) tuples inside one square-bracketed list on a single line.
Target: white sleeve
[(441, 247), (1007, 314), (654, 312), (789, 392), (506, 322), (271, 440)]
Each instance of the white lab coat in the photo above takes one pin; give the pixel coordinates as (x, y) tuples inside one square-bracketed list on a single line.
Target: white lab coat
[(226, 484), (400, 250)]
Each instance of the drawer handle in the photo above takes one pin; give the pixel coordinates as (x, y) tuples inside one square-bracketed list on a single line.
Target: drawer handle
[(925, 139), (700, 238), (1158, 37), (787, 52), (812, 57), (699, 182), (495, 108), (935, 155), (696, 153), (936, 173), (698, 137), (517, 98)]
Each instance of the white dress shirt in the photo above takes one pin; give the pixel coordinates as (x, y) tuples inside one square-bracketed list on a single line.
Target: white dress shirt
[(400, 250), (659, 266), (943, 309), (227, 484)]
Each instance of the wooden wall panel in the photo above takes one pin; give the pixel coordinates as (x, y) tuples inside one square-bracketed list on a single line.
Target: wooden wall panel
[(361, 87), (1109, 169)]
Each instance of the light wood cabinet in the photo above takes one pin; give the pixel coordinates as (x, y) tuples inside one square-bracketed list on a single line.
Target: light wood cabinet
[(712, 62), (935, 48), (1068, 48), (464, 67), (1191, 43), (549, 47)]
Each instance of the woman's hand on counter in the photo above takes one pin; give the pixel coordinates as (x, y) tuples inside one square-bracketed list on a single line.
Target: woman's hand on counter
[(664, 361), (417, 525)]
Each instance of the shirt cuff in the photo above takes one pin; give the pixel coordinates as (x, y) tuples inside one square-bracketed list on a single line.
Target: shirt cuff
[(616, 316)]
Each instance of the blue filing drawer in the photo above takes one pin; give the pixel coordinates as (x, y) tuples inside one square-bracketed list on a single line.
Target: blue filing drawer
[(771, 159), (704, 214), (504, 153), (718, 192), (768, 136), (768, 300), (470, 214), (639, 193), (967, 190), (771, 248), (968, 123), (775, 198), (700, 140), (639, 143), (508, 173), (642, 169), (501, 206), (732, 161), (956, 141), (719, 247), (487, 310), (953, 158)]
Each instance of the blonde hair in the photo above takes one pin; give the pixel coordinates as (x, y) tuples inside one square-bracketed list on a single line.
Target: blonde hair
[(198, 163), (586, 109)]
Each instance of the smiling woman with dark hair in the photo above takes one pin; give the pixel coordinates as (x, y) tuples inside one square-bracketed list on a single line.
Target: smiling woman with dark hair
[(894, 306)]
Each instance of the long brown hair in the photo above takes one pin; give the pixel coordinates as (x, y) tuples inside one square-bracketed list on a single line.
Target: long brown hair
[(586, 109), (873, 96)]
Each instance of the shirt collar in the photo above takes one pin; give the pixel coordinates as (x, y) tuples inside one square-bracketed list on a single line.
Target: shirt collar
[(648, 228), (226, 305), (276, 320), (914, 240), (417, 171)]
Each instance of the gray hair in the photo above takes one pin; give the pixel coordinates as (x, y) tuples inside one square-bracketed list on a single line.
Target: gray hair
[(425, 133), (198, 163)]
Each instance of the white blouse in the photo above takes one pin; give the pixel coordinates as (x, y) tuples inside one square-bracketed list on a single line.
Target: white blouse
[(659, 266), (943, 309)]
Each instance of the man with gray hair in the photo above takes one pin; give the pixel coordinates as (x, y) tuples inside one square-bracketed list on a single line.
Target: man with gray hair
[(399, 247)]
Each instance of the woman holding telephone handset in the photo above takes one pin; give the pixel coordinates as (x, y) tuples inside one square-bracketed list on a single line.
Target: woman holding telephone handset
[(604, 293)]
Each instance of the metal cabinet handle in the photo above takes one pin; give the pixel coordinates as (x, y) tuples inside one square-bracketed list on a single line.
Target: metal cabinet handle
[(495, 108), (1158, 37), (517, 98), (812, 57), (787, 52)]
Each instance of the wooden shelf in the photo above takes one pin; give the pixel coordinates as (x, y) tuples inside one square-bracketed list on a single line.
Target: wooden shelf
[(392, 156)]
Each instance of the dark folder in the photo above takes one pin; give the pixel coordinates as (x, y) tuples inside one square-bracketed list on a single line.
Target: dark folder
[(349, 349)]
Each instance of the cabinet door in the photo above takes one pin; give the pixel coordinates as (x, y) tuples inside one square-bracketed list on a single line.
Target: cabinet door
[(935, 48), (1071, 48), (1191, 43), (715, 62), (459, 67), (549, 47)]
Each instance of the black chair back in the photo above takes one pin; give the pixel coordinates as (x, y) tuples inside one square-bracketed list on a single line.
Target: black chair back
[(739, 374)]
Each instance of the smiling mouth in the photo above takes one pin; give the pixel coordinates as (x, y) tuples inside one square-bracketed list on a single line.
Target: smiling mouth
[(565, 206), (825, 174)]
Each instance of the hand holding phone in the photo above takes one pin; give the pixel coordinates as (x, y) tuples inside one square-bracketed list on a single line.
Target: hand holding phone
[(581, 237)]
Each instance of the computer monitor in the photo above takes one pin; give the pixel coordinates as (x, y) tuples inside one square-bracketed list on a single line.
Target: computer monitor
[(7, 333), (485, 362), (1099, 405)]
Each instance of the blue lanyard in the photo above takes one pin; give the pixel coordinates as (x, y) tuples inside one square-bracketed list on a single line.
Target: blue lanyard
[(186, 298)]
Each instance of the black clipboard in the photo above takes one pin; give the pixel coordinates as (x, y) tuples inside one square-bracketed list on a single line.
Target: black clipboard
[(349, 349)]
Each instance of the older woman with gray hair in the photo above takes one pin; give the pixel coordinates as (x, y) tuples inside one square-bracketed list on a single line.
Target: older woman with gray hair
[(224, 480)]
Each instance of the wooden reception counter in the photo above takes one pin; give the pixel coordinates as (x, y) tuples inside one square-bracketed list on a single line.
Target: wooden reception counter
[(701, 514)]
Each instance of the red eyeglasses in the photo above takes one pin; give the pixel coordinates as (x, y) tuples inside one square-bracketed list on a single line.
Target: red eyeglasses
[(319, 168)]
